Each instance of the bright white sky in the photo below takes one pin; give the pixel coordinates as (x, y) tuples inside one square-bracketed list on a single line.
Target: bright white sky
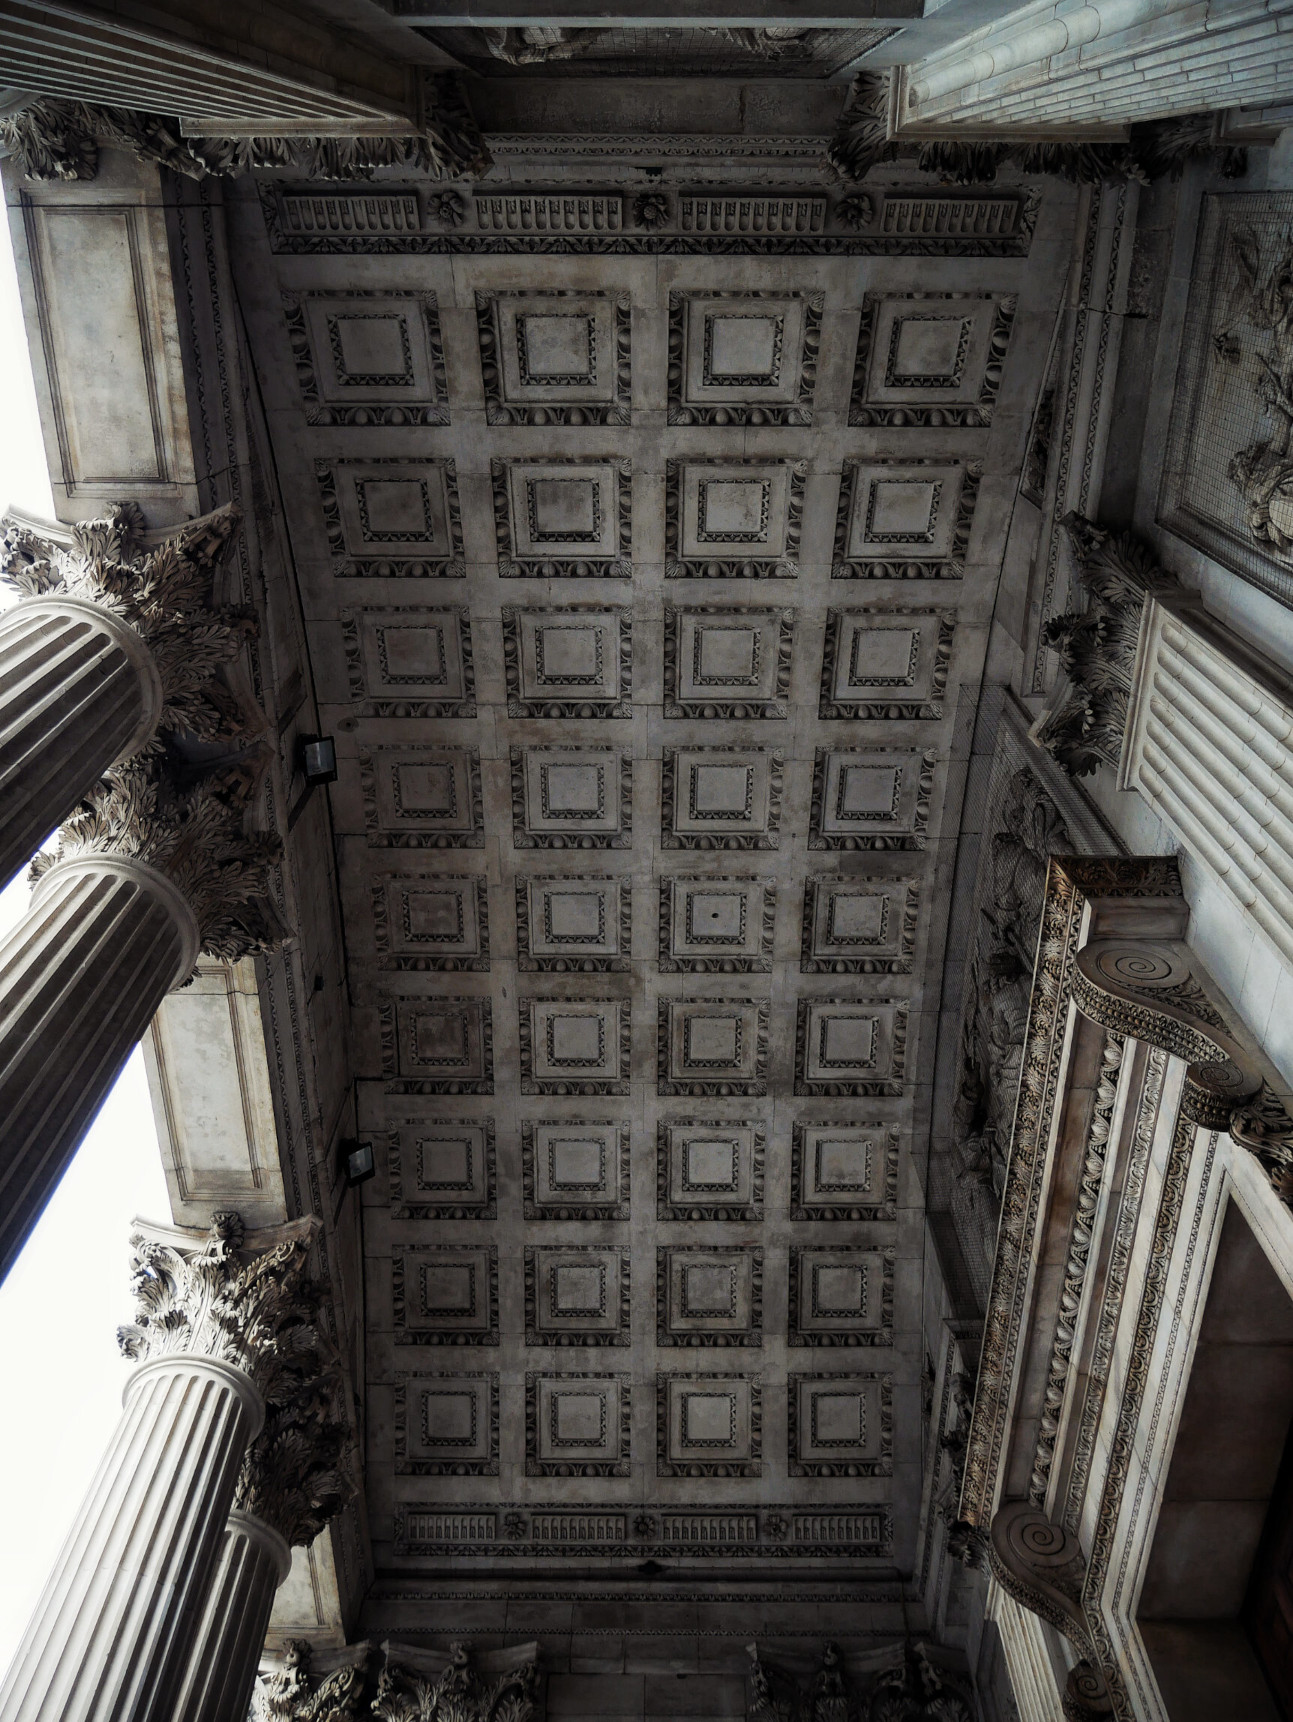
[(60, 1307)]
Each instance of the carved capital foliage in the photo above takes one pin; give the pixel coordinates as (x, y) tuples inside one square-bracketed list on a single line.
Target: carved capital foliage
[(160, 588), (1097, 646), (181, 805), (1154, 148), (299, 1472), (289, 1692), (60, 140), (461, 1692), (915, 1689), (213, 1295)]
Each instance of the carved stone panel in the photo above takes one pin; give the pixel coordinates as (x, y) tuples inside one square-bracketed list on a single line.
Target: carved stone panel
[(712, 1046), (709, 1295), (446, 1425), (743, 358), (571, 798), (572, 662), (850, 1046), (576, 1294), (368, 358), (720, 798), (718, 923), (431, 921), (930, 358), (555, 357), (444, 1045), (904, 519), (886, 663), (422, 797), (443, 1169), (410, 662), (709, 1169), (733, 519), (390, 519), (709, 1426), (445, 1294), (841, 1297), (840, 1426), (727, 663), (857, 925), (844, 1171), (566, 517), (576, 1170), (573, 924), (870, 798), (578, 1425), (574, 1046)]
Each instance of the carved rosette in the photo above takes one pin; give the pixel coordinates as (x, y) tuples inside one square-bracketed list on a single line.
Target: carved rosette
[(208, 1295)]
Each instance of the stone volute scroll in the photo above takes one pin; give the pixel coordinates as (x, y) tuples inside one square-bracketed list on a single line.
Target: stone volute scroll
[(156, 861), (220, 1319), (1041, 1565), (291, 1690)]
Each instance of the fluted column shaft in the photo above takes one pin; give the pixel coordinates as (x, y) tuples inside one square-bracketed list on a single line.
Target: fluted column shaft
[(104, 941), (254, 1560), (78, 691), (112, 1632)]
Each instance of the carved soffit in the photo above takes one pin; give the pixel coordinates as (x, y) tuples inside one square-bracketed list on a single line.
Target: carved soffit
[(460, 1686), (1085, 726), (292, 1691), (1152, 149), (182, 804), (59, 140), (238, 1298)]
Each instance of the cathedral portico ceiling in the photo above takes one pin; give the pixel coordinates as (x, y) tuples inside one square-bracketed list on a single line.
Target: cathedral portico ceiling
[(640, 822)]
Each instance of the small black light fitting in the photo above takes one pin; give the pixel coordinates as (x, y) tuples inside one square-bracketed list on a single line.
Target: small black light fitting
[(357, 1161), (317, 756)]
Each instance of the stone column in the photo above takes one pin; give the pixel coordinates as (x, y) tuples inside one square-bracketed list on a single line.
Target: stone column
[(78, 691), (154, 863), (297, 1475), (106, 938), (216, 1324)]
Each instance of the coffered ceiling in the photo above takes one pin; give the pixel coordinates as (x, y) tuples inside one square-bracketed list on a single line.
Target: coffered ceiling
[(647, 598)]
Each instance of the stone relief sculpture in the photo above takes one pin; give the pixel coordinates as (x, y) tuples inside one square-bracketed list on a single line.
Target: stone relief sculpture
[(1261, 295), (537, 44), (461, 1693), (289, 1693)]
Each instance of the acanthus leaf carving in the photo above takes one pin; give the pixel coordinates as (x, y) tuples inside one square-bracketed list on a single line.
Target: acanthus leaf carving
[(287, 1691), (55, 139), (210, 1295), (1097, 646), (462, 1692)]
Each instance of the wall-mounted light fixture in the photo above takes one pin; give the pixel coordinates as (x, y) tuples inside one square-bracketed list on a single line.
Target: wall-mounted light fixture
[(356, 1161), (317, 758)]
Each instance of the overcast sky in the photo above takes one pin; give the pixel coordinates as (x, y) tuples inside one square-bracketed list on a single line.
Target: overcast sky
[(60, 1307)]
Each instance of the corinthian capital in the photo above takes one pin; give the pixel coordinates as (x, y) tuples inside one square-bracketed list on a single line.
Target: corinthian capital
[(425, 1686), (290, 1693), (299, 1471), (246, 1303), (160, 586)]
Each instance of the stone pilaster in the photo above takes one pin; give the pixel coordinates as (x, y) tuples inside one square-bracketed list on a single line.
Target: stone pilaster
[(216, 1327)]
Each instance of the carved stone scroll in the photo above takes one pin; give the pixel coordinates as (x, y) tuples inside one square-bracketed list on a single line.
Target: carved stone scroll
[(1041, 1565)]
